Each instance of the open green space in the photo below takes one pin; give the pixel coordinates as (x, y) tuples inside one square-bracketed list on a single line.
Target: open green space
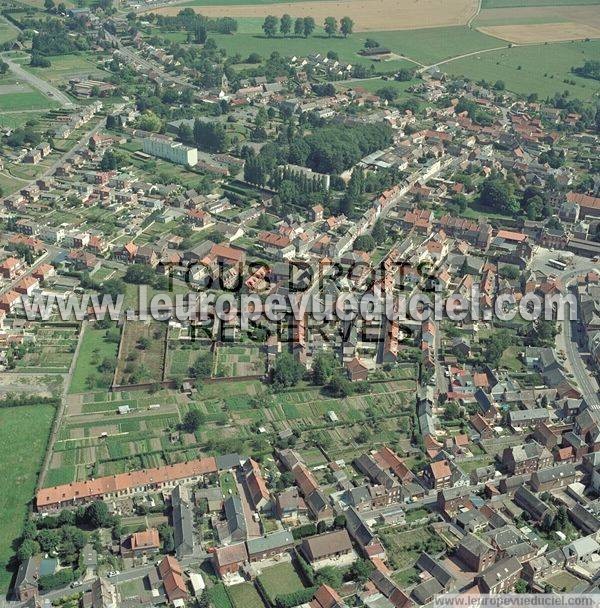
[(7, 32), (217, 596), (25, 100), (423, 45), (94, 349), (244, 596), (23, 436), (280, 580), (64, 67), (539, 69)]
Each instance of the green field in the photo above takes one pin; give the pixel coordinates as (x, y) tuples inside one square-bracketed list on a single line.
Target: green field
[(93, 350), (64, 67), (542, 68), (244, 596), (509, 17), (423, 46), (7, 32), (26, 100), (520, 3), (18, 119), (280, 580), (23, 436)]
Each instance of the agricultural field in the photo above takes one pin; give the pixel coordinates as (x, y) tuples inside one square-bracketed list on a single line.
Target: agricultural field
[(533, 69), (280, 580), (368, 15), (542, 32), (535, 3), (94, 349), (23, 435), (141, 353)]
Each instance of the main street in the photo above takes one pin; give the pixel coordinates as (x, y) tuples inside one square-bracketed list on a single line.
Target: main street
[(567, 340)]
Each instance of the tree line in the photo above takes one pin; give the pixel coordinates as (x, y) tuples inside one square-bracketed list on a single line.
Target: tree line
[(305, 26)]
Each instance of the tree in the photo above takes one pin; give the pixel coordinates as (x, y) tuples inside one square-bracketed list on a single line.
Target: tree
[(520, 586), (308, 26), (330, 26), (202, 367), (192, 421), (499, 194), (388, 94), (27, 549), (340, 387), (299, 26), (323, 366), (210, 136), (49, 5), (200, 34), (329, 575), (360, 570), (364, 242), (346, 26), (48, 540), (97, 515), (270, 26), (165, 533), (287, 371), (285, 24), (378, 232)]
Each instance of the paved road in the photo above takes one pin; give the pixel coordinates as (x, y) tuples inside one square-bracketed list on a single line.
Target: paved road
[(583, 375), (45, 87)]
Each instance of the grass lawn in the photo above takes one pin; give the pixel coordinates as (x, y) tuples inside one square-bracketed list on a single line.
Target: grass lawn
[(93, 350), (218, 597), (374, 84), (8, 184), (23, 436), (280, 579), (27, 100), (227, 483), (244, 596), (542, 68), (510, 359)]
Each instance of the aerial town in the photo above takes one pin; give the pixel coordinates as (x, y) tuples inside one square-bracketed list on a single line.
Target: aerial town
[(298, 310)]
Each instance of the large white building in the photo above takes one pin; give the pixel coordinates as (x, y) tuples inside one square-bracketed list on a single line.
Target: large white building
[(171, 150)]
